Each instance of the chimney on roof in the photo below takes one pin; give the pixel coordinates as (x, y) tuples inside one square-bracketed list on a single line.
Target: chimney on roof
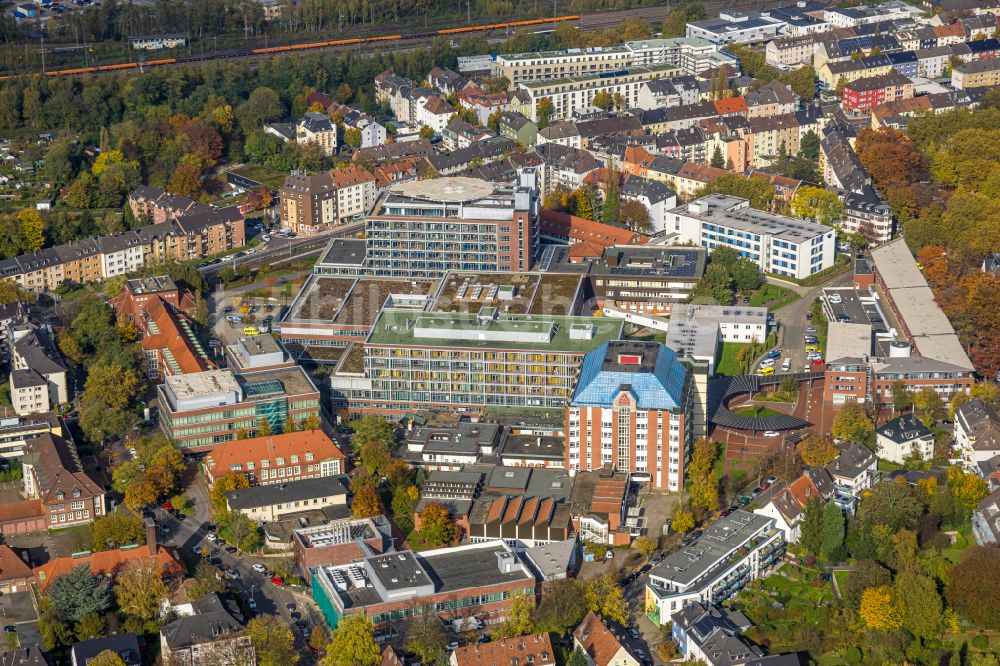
[(151, 537)]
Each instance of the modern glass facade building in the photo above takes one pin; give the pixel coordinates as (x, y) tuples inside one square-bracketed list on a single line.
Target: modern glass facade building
[(426, 228), (201, 410), (465, 362)]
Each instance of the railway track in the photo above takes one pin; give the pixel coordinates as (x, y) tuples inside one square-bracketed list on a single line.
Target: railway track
[(588, 22)]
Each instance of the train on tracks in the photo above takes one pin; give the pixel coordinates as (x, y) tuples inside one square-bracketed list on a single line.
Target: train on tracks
[(244, 53)]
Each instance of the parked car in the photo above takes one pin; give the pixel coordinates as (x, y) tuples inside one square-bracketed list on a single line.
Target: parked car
[(211, 537), (835, 298), (810, 329), (278, 580), (259, 568), (232, 574), (774, 353), (451, 647), (773, 478)]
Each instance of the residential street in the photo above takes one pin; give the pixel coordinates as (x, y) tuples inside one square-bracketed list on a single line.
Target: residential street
[(188, 537)]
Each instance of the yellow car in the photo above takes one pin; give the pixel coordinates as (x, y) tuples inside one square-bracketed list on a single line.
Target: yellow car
[(765, 372), (251, 330), (812, 348)]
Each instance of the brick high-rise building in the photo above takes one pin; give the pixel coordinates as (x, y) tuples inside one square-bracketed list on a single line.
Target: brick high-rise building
[(631, 410)]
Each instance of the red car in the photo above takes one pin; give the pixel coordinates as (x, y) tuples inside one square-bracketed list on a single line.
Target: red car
[(168, 507), (278, 580)]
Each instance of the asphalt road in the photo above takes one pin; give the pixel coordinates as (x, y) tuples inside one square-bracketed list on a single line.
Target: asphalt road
[(793, 323), (188, 536), (278, 249)]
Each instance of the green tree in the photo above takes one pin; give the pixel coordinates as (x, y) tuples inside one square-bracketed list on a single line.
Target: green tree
[(32, 229), (974, 587), (352, 137), (543, 111), (718, 161), (139, 589), (425, 636), (819, 205), (353, 643), (228, 482), (272, 640), (864, 574), (366, 503), (577, 658), (683, 13), (930, 404), (117, 529), (646, 546), (436, 526), (605, 597), (78, 592), (832, 531), (811, 531), (892, 504), (612, 195), (241, 531), (90, 626), (852, 424), (746, 276), (919, 603), (518, 621), (426, 132), (902, 396), (602, 100), (562, 607), (55, 629), (757, 189), (106, 658)]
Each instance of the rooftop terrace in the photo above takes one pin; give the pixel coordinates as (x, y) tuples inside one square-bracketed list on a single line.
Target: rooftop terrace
[(493, 331)]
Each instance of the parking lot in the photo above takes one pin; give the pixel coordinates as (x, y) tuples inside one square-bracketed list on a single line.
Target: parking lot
[(847, 306)]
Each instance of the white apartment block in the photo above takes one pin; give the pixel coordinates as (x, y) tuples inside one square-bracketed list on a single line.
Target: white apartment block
[(790, 51), (736, 28), (732, 552), (691, 55), (776, 243), (977, 433), (572, 95)]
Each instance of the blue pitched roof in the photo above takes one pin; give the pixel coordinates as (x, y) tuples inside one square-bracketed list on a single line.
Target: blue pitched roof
[(661, 387)]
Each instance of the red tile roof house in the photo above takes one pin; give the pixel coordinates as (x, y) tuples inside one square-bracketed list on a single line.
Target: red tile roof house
[(600, 645), (15, 575), (306, 454), (535, 650), (109, 563)]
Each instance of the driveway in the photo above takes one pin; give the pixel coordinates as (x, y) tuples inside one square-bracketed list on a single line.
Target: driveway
[(793, 323)]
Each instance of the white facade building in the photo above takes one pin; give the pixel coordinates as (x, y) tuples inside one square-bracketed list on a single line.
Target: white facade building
[(736, 27), (732, 552), (778, 244)]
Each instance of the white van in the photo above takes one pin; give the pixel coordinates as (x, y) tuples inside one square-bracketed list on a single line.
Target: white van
[(786, 365)]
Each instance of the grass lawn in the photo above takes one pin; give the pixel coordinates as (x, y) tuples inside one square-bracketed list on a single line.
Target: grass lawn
[(262, 174), (720, 459), (772, 292), (888, 465), (729, 364), (841, 577), (759, 412), (802, 604)]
